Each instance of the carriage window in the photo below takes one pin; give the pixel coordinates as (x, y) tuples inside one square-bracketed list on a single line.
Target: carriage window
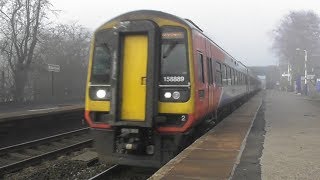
[(209, 71), (218, 74), (224, 75), (228, 76), (212, 70), (101, 68), (243, 79), (236, 77), (233, 77), (200, 68)]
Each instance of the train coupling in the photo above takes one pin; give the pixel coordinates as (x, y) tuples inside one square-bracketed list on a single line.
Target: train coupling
[(135, 141)]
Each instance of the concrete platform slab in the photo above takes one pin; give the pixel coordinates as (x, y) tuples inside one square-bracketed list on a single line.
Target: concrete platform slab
[(292, 141), (216, 154), (7, 116), (202, 169)]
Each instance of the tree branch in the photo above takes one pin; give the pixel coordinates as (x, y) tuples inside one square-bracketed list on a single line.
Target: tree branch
[(27, 29), (34, 33), (14, 33)]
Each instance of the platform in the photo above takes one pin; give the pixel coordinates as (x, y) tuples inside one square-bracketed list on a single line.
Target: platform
[(216, 154), (24, 113), (292, 140), (34, 123)]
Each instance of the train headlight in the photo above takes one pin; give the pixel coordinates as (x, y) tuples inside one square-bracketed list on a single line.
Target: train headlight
[(101, 93), (176, 95), (167, 95)]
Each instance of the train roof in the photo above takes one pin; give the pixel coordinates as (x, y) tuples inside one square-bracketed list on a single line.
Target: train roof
[(144, 13), (187, 22)]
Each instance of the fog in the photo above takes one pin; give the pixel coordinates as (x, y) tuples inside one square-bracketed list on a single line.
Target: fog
[(240, 27), (145, 95)]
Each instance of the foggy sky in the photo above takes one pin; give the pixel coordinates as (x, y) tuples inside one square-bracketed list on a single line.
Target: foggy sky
[(241, 27)]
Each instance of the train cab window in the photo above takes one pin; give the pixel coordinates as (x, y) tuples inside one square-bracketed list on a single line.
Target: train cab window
[(174, 56), (101, 67), (200, 68), (224, 75), (218, 74), (209, 70)]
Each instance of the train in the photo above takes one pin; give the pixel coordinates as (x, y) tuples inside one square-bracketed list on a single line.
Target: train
[(153, 78)]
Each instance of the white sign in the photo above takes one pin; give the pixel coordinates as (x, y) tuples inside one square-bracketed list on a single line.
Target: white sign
[(53, 67), (310, 76), (285, 75)]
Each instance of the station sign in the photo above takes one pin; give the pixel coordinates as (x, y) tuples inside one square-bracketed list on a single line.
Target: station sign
[(53, 68), (309, 77), (285, 75)]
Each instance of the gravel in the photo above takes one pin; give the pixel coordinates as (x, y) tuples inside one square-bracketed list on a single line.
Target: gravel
[(61, 168)]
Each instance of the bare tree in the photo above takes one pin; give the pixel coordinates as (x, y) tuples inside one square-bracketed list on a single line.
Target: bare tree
[(67, 46), (21, 21), (298, 29)]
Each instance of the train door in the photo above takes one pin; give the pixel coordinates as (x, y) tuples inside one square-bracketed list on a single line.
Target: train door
[(134, 73), (209, 77), (134, 69), (201, 87)]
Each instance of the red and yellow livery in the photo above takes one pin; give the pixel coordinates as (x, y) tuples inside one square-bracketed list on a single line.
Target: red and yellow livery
[(152, 78)]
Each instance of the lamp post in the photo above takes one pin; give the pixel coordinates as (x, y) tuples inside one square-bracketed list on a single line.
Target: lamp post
[(289, 76), (305, 71)]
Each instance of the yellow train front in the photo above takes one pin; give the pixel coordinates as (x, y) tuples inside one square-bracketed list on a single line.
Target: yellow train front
[(152, 78), (138, 95)]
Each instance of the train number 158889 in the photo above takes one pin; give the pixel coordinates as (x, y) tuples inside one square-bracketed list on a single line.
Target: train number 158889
[(173, 79)]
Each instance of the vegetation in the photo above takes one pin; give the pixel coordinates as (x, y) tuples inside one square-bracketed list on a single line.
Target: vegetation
[(29, 41), (298, 30)]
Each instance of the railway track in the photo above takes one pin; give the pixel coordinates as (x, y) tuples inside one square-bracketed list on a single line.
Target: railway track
[(118, 171), (108, 173), (16, 157)]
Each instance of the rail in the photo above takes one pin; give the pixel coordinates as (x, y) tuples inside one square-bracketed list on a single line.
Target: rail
[(18, 156)]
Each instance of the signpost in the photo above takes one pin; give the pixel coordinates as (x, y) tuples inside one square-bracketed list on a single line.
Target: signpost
[(53, 68)]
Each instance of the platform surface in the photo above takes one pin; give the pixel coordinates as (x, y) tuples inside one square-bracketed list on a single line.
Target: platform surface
[(292, 140), (39, 110), (216, 154)]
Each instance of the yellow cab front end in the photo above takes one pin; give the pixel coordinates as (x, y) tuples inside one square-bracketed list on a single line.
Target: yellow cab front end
[(139, 95)]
